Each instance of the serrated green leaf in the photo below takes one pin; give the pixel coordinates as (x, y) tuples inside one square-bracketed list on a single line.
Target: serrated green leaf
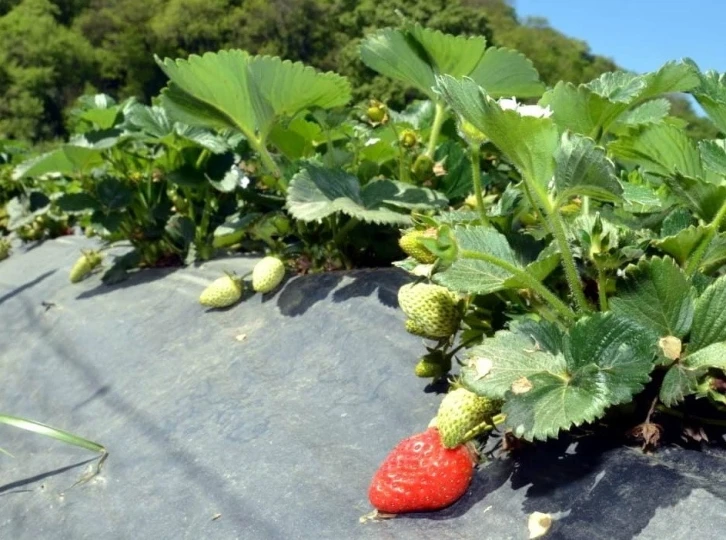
[(77, 202), (660, 149), (704, 199), (296, 139), (681, 245), (640, 199), (709, 317), (113, 194), (415, 55), (617, 86), (506, 73), (583, 168), (513, 355), (543, 266), (455, 55), (234, 229), (231, 89), (579, 109), (713, 155), (66, 160), (711, 356), (622, 352), (711, 95), (547, 336), (656, 295), (606, 361), (715, 255), (315, 193), (528, 142), (677, 384), (477, 276), (651, 112), (677, 220), (290, 87), (671, 77)]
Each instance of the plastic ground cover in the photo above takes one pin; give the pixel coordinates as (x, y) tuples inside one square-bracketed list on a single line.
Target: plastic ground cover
[(268, 419)]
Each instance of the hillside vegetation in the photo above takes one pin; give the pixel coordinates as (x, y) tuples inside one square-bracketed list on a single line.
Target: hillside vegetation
[(53, 51)]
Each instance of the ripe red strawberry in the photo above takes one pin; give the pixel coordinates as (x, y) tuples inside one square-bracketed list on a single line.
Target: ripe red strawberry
[(420, 475)]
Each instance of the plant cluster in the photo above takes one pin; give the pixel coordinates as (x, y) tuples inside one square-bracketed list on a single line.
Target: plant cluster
[(568, 239)]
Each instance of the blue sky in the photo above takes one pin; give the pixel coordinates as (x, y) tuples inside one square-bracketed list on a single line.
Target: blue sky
[(641, 35)]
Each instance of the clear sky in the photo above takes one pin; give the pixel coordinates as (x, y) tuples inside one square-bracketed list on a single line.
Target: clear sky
[(641, 35)]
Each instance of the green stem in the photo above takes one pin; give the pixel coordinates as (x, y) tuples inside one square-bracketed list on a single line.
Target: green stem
[(601, 289), (536, 208), (344, 230), (695, 260), (558, 305), (202, 158), (586, 205), (439, 118), (476, 179), (403, 175), (568, 260), (259, 145)]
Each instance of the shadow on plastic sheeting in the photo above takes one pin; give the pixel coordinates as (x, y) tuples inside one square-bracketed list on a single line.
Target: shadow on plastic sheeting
[(229, 502), (600, 488), (43, 476), (25, 286), (302, 292), (147, 275)]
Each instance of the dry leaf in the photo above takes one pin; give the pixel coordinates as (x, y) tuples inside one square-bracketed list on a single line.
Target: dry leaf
[(671, 347), (539, 524), (521, 386), (482, 366)]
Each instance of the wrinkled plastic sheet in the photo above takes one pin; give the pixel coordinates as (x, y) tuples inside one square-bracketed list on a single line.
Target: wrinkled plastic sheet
[(268, 419)]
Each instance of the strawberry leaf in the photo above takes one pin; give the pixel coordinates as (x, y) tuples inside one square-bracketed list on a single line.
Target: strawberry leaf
[(651, 112), (709, 317), (315, 193), (505, 73), (681, 245), (605, 361), (582, 168), (711, 95), (415, 55), (67, 160), (660, 149), (477, 276), (657, 296), (528, 142), (678, 383), (231, 89)]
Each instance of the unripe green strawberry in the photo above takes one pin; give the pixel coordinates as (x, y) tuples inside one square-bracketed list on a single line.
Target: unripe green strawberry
[(85, 264), (222, 292), (408, 138), (377, 112), (411, 246), (460, 412), (4, 249), (433, 365), (267, 274), (423, 167), (470, 133), (432, 309)]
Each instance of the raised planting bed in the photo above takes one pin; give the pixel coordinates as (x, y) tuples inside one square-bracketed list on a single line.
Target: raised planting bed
[(268, 419)]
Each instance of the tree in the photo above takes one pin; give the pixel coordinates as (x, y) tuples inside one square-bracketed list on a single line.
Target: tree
[(44, 66)]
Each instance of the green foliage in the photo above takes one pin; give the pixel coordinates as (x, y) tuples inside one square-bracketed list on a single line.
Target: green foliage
[(581, 237)]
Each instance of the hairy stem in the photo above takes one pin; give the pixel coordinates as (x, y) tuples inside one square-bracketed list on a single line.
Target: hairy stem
[(439, 118), (259, 145), (568, 261), (476, 180), (548, 296), (601, 289), (695, 260)]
